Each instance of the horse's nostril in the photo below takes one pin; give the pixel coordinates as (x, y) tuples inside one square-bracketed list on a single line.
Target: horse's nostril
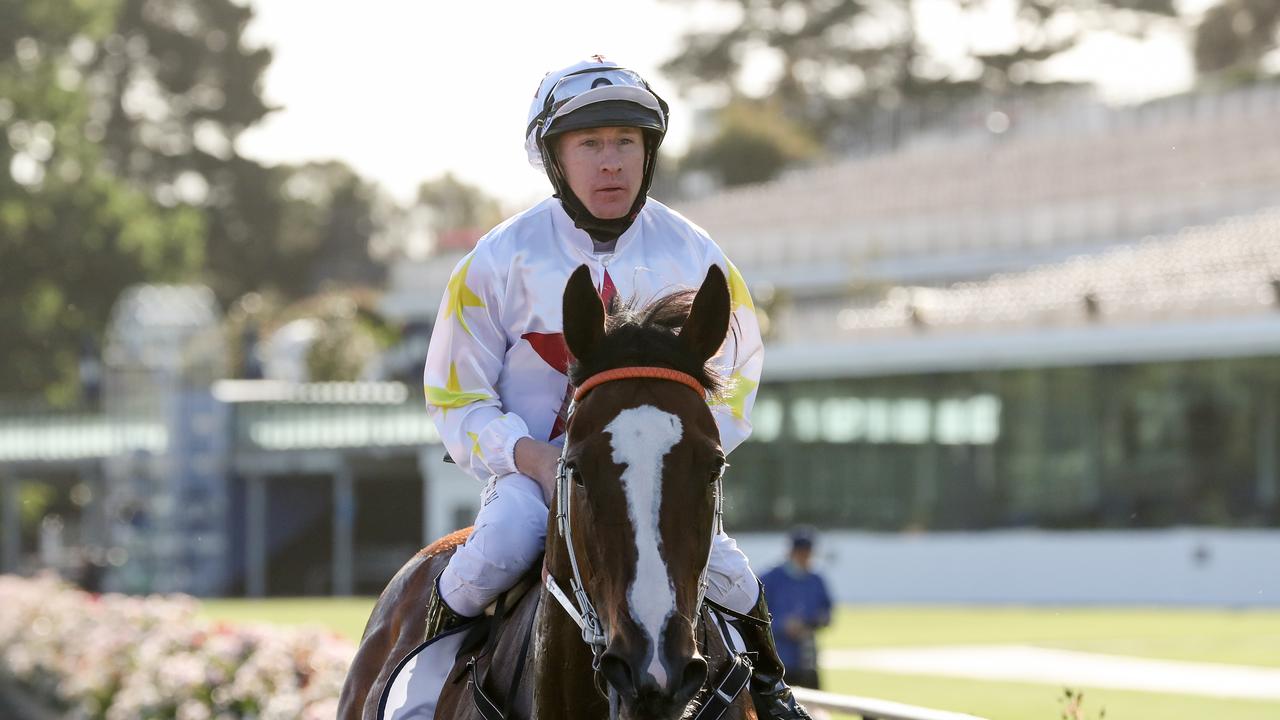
[(617, 672), (693, 677)]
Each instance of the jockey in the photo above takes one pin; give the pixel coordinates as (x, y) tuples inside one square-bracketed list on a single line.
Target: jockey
[(495, 375)]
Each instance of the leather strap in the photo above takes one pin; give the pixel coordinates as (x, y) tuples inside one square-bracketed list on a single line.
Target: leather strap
[(629, 373), (731, 684)]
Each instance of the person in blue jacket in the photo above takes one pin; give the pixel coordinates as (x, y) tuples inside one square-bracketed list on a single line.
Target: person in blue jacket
[(800, 605)]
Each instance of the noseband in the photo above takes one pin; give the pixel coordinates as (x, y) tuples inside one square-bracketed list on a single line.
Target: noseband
[(585, 615)]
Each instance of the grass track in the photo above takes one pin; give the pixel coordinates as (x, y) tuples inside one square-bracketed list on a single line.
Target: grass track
[(1245, 637), (1250, 637), (345, 616), (1026, 701)]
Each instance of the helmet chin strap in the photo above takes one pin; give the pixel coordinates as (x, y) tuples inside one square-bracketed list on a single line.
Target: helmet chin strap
[(601, 230)]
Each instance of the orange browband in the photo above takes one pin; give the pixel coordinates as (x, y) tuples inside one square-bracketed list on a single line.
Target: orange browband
[(628, 373)]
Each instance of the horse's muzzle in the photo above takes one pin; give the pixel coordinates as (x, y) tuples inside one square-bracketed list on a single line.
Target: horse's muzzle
[(646, 696)]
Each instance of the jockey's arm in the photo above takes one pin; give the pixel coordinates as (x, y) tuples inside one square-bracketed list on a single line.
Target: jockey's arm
[(538, 460), (464, 361), (741, 360)]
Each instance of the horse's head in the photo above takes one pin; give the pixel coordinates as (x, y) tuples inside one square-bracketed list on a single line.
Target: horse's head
[(642, 460)]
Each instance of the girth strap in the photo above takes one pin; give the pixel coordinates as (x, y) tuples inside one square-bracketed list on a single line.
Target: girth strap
[(731, 684), (485, 705)]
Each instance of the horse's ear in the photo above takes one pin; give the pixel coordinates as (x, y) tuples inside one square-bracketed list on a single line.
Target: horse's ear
[(708, 321), (583, 314)]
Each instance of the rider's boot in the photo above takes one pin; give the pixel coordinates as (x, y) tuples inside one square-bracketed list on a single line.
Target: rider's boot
[(769, 692), (441, 617)]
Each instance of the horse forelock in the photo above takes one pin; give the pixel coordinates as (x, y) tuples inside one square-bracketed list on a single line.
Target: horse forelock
[(639, 334)]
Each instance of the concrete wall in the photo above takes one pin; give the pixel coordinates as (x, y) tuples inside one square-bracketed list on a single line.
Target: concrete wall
[(1181, 566)]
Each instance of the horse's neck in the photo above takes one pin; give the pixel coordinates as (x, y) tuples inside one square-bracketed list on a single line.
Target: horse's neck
[(564, 681)]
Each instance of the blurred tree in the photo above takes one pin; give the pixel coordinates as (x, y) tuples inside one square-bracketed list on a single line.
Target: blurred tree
[(827, 63), (328, 223), (174, 84), (71, 234), (1235, 36), (350, 333), (456, 205), (753, 142)]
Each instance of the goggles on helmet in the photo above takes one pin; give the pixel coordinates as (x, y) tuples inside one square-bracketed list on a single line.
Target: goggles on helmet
[(630, 102)]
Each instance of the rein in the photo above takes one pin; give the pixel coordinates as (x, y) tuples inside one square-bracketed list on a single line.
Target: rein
[(584, 614)]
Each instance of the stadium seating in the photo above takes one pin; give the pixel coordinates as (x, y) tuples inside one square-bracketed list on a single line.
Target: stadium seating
[(1230, 267), (1057, 183)]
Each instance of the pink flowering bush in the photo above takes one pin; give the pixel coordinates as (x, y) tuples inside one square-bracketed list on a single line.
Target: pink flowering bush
[(115, 657)]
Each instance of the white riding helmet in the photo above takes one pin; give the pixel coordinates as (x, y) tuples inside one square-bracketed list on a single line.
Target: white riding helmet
[(591, 93)]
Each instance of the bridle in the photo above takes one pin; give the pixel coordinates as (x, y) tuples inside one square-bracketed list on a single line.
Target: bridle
[(584, 613)]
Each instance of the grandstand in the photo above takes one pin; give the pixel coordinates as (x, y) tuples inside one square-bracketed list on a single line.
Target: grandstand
[(1026, 328), (1072, 325), (969, 204)]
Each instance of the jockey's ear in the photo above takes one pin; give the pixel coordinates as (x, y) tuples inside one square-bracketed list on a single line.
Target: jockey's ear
[(583, 314), (708, 321)]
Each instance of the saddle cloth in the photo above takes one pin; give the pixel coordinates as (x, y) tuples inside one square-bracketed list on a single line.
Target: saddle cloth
[(414, 687)]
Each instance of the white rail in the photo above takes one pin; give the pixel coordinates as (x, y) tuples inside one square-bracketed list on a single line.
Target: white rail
[(872, 708)]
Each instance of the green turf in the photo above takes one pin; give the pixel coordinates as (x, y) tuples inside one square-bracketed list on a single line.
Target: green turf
[(1244, 637), (1025, 701), (346, 616), (1226, 636)]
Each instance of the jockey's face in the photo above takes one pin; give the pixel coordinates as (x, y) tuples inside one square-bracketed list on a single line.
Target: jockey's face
[(604, 167)]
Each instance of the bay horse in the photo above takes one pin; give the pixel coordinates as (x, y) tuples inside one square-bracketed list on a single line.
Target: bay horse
[(628, 534)]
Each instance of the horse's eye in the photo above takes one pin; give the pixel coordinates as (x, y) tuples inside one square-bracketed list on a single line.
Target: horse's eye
[(717, 470), (574, 475)]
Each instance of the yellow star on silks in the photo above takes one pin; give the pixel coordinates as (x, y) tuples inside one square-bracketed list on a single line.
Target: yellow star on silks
[(475, 443), (451, 396), (459, 297), (735, 398), (739, 296)]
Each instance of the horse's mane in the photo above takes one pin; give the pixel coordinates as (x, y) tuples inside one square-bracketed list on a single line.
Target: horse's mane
[(639, 334)]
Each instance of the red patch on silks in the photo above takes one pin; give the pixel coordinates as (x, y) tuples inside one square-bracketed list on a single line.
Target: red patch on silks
[(558, 428), (555, 353), (551, 348), (447, 543), (607, 290)]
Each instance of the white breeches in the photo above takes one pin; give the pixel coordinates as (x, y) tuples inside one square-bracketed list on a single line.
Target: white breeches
[(509, 533)]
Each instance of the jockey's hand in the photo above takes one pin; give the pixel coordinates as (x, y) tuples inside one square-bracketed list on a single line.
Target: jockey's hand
[(538, 460)]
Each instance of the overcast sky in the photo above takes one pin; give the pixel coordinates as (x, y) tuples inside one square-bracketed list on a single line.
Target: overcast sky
[(404, 90)]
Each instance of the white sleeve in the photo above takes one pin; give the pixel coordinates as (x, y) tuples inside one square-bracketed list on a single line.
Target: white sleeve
[(464, 361), (740, 359)]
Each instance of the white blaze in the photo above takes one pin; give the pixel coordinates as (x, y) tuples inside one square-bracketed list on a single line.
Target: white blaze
[(641, 437)]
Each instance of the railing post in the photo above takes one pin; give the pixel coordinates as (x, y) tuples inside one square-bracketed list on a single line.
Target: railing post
[(426, 456), (256, 536), (11, 536), (344, 516)]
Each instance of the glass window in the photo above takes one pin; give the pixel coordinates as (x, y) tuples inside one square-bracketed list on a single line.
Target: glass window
[(879, 420), (805, 420), (985, 417), (843, 419), (766, 419), (911, 421), (950, 423)]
